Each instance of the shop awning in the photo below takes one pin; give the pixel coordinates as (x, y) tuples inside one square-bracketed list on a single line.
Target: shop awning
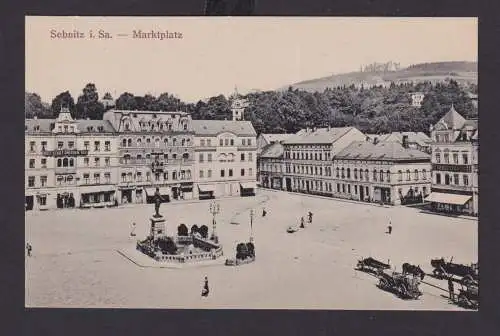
[(206, 187), (248, 185), (448, 198)]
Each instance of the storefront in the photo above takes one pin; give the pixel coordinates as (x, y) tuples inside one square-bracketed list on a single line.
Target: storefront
[(97, 199), (247, 189), (206, 191), (449, 203), (186, 190), (150, 193), (382, 194)]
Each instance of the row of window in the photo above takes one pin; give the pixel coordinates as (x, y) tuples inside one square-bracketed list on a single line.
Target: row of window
[(446, 158), (310, 170), (308, 156), (69, 162), (127, 157), (225, 142), (379, 175), (449, 179), (71, 145), (223, 173), (164, 176), (157, 141), (225, 157), (271, 167), (70, 180)]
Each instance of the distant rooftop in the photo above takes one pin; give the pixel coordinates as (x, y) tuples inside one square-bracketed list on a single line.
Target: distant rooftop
[(215, 127), (383, 151), (272, 151), (318, 136)]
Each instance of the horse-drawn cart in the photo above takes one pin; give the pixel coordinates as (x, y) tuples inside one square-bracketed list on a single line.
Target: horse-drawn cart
[(371, 265), (404, 285), (468, 274)]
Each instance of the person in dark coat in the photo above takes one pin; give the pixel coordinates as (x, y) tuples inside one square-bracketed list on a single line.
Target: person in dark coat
[(28, 249), (302, 222), (310, 214), (205, 290), (264, 212), (451, 289), (389, 228)]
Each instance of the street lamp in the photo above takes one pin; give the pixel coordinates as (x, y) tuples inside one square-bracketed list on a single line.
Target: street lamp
[(251, 225), (214, 210)]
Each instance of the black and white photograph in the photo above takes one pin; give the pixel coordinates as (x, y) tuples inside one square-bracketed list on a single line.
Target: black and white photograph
[(251, 163)]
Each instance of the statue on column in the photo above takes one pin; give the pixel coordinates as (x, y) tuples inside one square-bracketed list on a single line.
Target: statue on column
[(157, 200)]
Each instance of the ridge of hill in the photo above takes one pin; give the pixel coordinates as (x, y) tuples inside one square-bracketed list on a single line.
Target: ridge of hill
[(460, 71)]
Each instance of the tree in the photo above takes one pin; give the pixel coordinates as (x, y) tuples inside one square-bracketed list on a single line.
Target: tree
[(64, 99), (34, 107), (203, 231), (182, 230), (126, 101), (194, 229), (88, 105)]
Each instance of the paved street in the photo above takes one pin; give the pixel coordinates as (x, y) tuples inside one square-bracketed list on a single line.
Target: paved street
[(75, 261)]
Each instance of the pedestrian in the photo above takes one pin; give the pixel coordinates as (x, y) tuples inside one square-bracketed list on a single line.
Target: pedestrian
[(132, 233), (28, 249), (302, 222), (451, 289), (310, 217), (389, 228), (205, 290), (264, 213)]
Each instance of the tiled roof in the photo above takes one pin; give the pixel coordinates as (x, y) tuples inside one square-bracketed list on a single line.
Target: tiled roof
[(413, 137), (82, 125), (453, 119), (383, 151), (271, 137), (214, 127), (272, 151), (43, 124), (318, 136)]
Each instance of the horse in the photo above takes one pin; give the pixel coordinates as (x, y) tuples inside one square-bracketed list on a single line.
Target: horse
[(414, 270)]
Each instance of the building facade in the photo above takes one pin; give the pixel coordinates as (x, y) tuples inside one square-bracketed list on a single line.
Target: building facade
[(455, 164), (155, 150), (308, 157), (386, 172), (225, 158), (417, 98), (271, 166), (69, 163)]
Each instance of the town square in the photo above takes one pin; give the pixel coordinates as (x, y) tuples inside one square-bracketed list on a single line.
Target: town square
[(310, 269)]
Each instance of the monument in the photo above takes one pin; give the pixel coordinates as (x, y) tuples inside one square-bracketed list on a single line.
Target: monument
[(158, 225)]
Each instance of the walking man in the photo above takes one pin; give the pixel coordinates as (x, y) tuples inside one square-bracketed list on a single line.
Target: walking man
[(451, 290), (28, 249), (310, 217), (205, 290), (389, 228), (132, 233), (302, 222)]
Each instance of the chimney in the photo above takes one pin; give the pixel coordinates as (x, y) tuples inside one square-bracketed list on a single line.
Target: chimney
[(405, 141)]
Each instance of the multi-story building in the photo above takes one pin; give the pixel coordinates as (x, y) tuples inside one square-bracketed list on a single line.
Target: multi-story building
[(455, 164), (417, 98), (271, 166), (70, 163), (387, 172), (156, 151), (225, 156), (265, 139), (308, 157)]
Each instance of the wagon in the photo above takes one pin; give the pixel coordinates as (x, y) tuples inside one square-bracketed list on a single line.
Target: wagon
[(372, 265), (468, 274), (404, 285)]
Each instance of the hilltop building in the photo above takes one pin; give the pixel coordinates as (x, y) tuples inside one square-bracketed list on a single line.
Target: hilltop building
[(455, 167), (70, 163), (417, 98)]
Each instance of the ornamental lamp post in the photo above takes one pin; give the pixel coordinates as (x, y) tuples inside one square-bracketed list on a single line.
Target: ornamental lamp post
[(251, 225), (214, 210)]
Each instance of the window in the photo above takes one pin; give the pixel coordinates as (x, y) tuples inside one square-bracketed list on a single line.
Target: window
[(60, 145), (209, 159), (438, 178), (465, 158), (343, 188), (466, 180), (455, 158), (44, 145), (43, 181), (32, 163), (157, 177), (355, 173), (343, 173), (222, 173), (348, 188), (124, 177), (408, 175), (250, 172), (388, 174), (202, 142), (447, 179), (446, 158), (148, 176), (97, 162), (415, 174), (221, 142), (249, 142), (242, 156), (243, 142), (381, 176), (44, 163), (86, 145), (86, 162), (337, 174), (242, 172), (201, 173), (400, 175), (174, 156), (106, 161), (226, 142), (71, 162), (165, 175), (320, 157), (201, 159), (438, 158), (209, 142), (107, 146), (209, 173), (107, 177), (250, 157), (97, 178), (230, 173), (86, 178), (374, 175), (232, 142), (424, 174), (456, 179), (97, 145), (65, 162), (348, 172), (71, 144), (338, 187)]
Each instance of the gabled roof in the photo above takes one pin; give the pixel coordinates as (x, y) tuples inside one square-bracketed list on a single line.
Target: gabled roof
[(272, 151), (319, 136), (276, 137), (383, 151), (215, 127)]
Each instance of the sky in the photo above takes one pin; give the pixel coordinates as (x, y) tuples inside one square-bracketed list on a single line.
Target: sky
[(217, 54)]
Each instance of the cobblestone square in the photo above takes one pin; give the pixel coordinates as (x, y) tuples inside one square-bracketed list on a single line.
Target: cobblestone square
[(76, 263)]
